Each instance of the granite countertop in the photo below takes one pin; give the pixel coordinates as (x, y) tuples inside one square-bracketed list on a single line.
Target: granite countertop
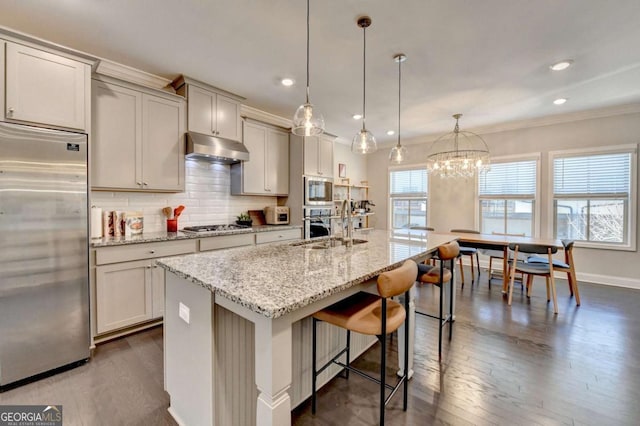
[(149, 237), (283, 277)]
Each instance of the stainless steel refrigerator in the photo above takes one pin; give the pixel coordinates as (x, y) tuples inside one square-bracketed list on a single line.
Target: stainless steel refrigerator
[(44, 252)]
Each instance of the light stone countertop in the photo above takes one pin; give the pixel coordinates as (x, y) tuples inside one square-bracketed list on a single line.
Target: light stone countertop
[(148, 237), (275, 279)]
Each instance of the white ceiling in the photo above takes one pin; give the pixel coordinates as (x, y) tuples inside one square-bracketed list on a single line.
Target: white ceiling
[(486, 59)]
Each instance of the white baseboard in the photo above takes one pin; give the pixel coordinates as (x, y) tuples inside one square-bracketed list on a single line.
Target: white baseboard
[(611, 280), (175, 416)]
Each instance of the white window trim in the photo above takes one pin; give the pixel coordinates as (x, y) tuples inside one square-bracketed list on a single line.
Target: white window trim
[(390, 204), (537, 212), (633, 203)]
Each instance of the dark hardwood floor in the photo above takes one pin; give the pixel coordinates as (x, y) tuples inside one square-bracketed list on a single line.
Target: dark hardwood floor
[(505, 365)]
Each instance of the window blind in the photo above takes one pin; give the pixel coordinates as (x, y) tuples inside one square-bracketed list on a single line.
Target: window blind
[(593, 174), (408, 183), (509, 179)]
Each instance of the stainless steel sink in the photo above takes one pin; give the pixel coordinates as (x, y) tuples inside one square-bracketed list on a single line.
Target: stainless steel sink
[(336, 242)]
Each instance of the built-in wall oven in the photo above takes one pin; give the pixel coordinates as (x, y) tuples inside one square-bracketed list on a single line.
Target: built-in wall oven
[(317, 221), (317, 191)]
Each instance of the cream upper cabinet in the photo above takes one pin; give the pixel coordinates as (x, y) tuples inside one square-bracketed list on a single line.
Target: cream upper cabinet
[(277, 162), (162, 144), (254, 170), (318, 156), (213, 114), (267, 171), (44, 88), (116, 132), (138, 139)]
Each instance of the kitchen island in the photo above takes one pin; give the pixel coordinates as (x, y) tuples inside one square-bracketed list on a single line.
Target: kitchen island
[(236, 321)]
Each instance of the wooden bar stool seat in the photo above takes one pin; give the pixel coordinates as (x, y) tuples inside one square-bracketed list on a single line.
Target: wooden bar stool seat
[(375, 315)]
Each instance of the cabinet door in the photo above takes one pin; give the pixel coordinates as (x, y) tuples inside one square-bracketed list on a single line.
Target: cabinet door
[(202, 110), (228, 124), (162, 144), (311, 156), (277, 166), (157, 291), (2, 85), (123, 295), (253, 171), (45, 88), (325, 157), (116, 135)]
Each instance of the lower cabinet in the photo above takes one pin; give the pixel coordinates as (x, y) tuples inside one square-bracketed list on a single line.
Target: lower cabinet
[(129, 287), (126, 294)]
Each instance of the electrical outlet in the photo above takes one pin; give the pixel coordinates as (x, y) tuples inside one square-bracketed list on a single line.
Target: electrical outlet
[(184, 312)]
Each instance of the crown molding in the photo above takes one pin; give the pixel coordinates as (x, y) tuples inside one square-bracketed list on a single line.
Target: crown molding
[(265, 117), (133, 75), (549, 120)]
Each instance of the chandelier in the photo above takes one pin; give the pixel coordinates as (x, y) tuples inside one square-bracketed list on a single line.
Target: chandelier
[(458, 154)]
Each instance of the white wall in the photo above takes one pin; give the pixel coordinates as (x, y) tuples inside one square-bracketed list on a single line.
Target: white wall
[(207, 199), (356, 163), (452, 204)]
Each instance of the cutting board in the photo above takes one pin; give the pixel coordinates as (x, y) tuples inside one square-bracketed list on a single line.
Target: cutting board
[(257, 217)]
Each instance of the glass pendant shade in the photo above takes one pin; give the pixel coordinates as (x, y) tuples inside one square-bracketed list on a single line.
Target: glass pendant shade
[(398, 154), (458, 154), (307, 122), (364, 142)]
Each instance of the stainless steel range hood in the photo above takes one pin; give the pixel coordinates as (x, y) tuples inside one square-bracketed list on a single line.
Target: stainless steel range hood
[(215, 149)]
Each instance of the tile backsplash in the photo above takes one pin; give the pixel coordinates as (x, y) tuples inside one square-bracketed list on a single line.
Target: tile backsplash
[(207, 199)]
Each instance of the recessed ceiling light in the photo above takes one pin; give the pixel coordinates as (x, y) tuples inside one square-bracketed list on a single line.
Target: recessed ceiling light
[(562, 65), (560, 101), (357, 116), (391, 132), (287, 82)]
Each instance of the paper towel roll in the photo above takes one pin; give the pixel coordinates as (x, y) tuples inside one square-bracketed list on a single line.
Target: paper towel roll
[(96, 222)]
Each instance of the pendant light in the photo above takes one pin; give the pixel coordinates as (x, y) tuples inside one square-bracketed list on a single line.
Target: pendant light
[(399, 153), (306, 121), (364, 142)]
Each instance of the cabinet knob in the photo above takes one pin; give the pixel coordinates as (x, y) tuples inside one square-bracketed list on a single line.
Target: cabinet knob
[(145, 183), (148, 266), (10, 111), (139, 183), (152, 251)]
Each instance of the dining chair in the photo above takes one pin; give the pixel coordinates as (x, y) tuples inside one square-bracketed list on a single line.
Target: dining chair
[(471, 252), (533, 269), (499, 254), (566, 266), (373, 315)]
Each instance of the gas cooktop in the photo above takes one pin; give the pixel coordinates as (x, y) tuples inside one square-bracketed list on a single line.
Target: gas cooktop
[(202, 229)]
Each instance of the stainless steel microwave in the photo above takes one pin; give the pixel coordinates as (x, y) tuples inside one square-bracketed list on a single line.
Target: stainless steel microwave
[(318, 191)]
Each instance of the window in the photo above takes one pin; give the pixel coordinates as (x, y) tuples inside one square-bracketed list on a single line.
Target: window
[(507, 196), (408, 197), (594, 196)]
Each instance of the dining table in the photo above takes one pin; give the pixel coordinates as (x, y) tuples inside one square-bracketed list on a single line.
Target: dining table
[(500, 242)]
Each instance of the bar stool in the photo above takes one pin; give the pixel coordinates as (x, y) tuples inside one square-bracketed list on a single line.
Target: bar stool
[(437, 276), (374, 315)]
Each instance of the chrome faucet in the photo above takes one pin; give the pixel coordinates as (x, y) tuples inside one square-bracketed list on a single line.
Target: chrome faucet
[(346, 211)]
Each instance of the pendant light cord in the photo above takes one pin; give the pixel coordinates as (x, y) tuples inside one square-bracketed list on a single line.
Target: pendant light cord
[(364, 78), (399, 94), (307, 51)]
